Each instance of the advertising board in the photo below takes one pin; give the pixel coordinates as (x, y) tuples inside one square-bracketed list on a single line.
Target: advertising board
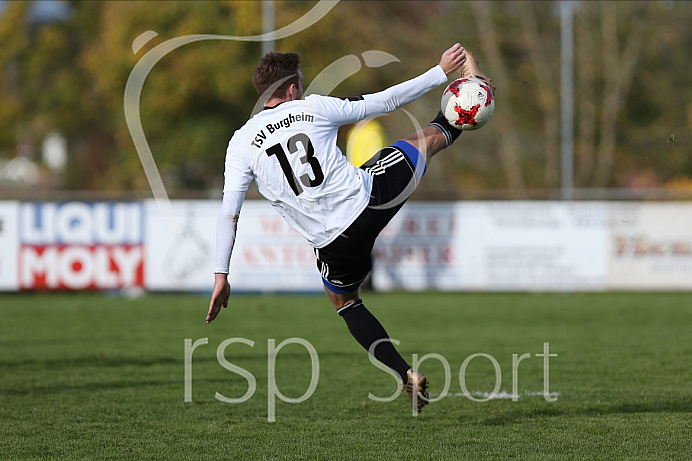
[(78, 245)]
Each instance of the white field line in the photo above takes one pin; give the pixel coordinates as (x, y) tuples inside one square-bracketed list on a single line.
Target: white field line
[(500, 395)]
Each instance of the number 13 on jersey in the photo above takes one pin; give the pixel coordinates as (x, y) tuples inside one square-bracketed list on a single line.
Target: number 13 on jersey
[(308, 157)]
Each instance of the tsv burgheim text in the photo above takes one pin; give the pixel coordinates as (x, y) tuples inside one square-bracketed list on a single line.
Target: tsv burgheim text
[(283, 123), (471, 363)]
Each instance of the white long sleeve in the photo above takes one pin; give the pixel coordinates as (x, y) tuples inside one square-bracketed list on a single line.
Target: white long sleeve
[(404, 93), (352, 110), (226, 229)]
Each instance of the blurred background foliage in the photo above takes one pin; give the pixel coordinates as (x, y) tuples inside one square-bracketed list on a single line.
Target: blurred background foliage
[(65, 73)]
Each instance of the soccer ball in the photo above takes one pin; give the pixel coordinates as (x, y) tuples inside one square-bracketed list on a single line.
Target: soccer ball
[(468, 103)]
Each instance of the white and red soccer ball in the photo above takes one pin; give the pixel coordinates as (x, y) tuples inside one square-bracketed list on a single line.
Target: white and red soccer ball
[(468, 103)]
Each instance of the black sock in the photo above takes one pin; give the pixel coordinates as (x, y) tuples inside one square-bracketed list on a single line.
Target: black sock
[(441, 123), (367, 329)]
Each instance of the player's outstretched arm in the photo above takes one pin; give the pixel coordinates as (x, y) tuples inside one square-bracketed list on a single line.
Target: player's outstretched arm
[(453, 58), (345, 111), (219, 296)]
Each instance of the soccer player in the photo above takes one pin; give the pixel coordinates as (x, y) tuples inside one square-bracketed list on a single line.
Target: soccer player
[(289, 149)]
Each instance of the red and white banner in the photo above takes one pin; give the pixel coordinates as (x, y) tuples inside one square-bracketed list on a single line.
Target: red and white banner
[(76, 246)]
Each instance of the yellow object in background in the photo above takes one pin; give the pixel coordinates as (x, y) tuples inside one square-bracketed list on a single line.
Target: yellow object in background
[(364, 140)]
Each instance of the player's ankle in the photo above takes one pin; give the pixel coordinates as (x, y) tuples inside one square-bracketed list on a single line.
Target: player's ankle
[(450, 133)]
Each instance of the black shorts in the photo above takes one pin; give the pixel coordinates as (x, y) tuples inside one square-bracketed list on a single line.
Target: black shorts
[(396, 171)]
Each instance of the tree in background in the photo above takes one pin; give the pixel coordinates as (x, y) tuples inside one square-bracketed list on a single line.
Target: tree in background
[(632, 116), (631, 93)]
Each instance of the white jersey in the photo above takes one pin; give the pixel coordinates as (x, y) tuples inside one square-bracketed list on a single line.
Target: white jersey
[(290, 151)]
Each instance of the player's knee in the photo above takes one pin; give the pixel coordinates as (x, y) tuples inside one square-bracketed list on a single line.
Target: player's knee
[(427, 141), (340, 300)]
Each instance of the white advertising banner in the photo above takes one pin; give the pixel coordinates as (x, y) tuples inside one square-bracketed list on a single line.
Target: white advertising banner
[(9, 245), (78, 245), (533, 246), (268, 254), (494, 246), (654, 251), (179, 242)]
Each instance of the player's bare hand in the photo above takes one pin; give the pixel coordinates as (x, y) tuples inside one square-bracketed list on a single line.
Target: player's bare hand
[(219, 296), (453, 58)]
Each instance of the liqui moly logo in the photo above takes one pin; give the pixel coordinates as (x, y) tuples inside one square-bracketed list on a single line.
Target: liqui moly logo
[(76, 245)]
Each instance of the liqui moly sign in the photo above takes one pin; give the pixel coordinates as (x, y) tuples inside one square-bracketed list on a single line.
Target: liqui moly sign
[(77, 245)]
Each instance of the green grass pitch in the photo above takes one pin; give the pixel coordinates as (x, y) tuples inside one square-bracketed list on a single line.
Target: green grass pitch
[(91, 376)]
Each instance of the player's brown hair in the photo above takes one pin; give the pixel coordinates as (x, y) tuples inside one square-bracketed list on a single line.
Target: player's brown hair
[(275, 67)]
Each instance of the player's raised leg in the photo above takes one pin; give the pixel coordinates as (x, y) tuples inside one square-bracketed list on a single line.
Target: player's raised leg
[(431, 139), (471, 69)]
